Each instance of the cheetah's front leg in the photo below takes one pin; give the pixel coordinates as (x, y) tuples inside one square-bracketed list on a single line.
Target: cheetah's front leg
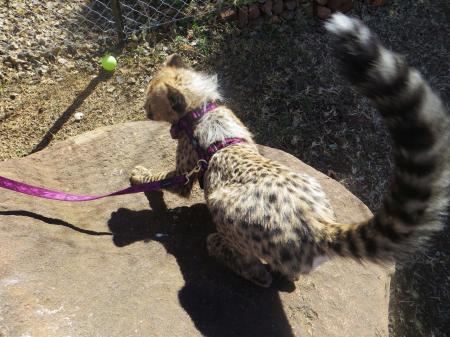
[(141, 175), (248, 267)]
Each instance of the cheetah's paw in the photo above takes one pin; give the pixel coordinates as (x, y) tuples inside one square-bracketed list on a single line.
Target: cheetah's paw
[(140, 175)]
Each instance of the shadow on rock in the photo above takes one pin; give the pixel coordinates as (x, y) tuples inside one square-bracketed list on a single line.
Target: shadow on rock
[(218, 302), (52, 221), (67, 114)]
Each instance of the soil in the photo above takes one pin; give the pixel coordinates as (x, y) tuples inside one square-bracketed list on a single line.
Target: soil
[(280, 79)]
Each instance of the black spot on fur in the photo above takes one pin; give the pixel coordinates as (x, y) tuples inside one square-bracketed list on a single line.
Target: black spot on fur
[(397, 210), (403, 190), (405, 107), (256, 237), (299, 213), (244, 225), (296, 184), (413, 136), (399, 84), (409, 165), (369, 243), (275, 232), (336, 244), (386, 230), (298, 232), (355, 59), (272, 198), (305, 239), (285, 255), (353, 248), (337, 247)]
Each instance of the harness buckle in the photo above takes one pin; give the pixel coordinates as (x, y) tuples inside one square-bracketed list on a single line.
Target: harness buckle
[(201, 165)]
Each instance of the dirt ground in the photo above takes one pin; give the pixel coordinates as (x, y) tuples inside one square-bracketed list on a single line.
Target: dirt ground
[(281, 80)]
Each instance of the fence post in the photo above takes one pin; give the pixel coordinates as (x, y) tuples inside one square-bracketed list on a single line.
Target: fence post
[(117, 13)]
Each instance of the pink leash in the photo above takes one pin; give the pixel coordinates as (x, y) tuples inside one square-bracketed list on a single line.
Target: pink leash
[(55, 195), (184, 124)]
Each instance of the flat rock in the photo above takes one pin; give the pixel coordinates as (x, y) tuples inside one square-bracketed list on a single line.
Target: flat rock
[(116, 267)]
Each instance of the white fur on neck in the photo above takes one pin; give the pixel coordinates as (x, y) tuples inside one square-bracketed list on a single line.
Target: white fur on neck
[(217, 125), (204, 87)]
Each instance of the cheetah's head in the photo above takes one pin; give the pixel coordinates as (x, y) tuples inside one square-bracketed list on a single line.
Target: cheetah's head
[(176, 89)]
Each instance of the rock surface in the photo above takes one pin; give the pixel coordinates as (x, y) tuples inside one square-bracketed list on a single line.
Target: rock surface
[(115, 267)]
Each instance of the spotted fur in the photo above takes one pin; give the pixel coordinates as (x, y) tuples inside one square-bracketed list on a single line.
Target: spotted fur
[(272, 219)]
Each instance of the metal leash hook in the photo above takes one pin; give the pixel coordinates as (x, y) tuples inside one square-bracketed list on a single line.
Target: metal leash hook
[(196, 169)]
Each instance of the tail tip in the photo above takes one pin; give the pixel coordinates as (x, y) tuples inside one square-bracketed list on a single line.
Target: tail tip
[(348, 28), (340, 23)]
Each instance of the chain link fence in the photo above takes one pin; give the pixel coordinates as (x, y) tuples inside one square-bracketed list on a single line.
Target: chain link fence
[(35, 33), (147, 14), (101, 19), (121, 19), (96, 15)]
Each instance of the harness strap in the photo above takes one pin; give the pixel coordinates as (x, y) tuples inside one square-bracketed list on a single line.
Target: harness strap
[(186, 124)]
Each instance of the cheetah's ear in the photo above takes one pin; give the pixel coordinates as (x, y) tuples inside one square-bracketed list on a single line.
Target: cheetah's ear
[(176, 100), (175, 61)]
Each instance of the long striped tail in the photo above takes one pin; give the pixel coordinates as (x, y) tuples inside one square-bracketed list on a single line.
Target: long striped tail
[(418, 197)]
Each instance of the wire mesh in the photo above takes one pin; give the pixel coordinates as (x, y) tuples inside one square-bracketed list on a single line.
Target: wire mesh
[(95, 19), (97, 15), (36, 35), (135, 15), (147, 14)]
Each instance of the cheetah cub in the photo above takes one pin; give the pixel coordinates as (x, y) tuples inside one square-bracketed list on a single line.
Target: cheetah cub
[(272, 219)]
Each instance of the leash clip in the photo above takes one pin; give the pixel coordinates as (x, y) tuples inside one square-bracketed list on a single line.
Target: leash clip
[(201, 164)]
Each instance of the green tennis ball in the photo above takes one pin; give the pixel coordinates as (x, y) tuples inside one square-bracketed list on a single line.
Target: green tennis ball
[(109, 62)]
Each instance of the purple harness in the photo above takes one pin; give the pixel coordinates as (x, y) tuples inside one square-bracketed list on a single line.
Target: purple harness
[(186, 124)]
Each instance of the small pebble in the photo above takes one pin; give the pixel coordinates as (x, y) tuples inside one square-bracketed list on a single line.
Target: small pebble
[(161, 235), (78, 116)]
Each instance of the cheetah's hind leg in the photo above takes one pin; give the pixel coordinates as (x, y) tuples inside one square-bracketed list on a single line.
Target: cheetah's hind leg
[(248, 267)]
